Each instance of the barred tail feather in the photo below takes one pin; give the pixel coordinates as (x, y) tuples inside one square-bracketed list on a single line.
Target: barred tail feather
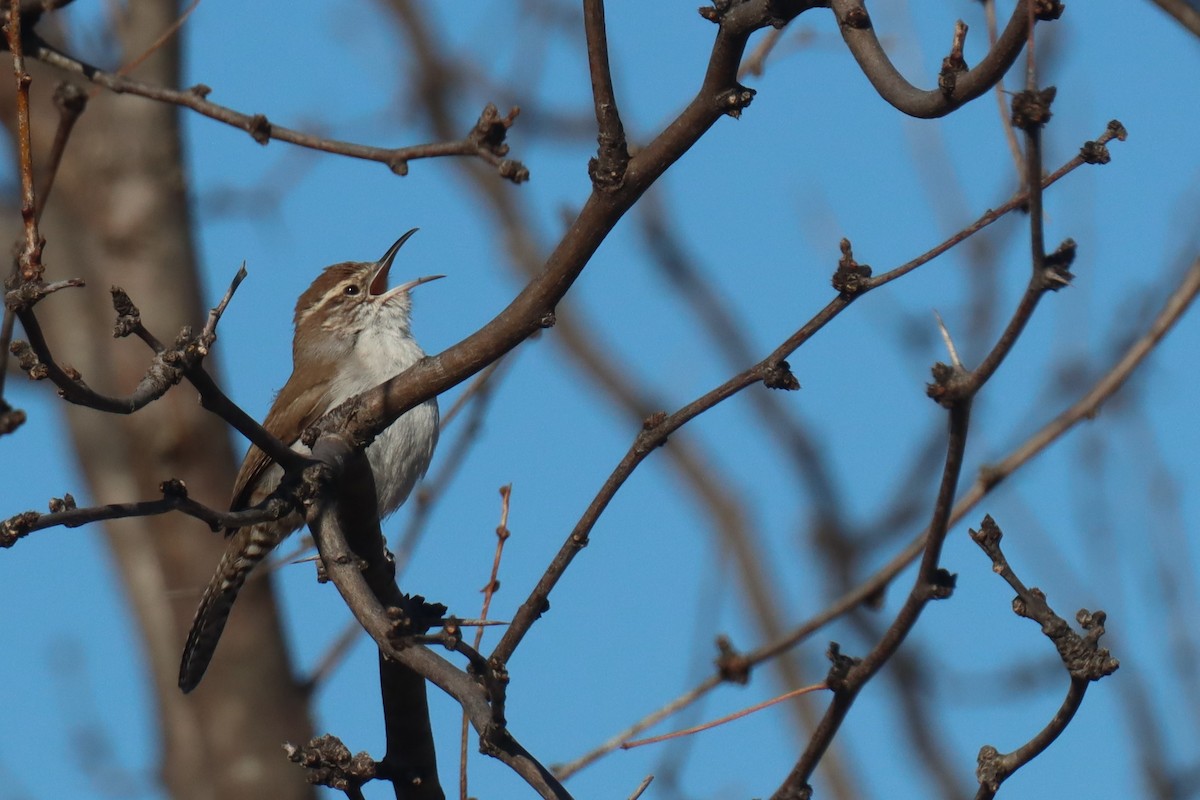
[(246, 549)]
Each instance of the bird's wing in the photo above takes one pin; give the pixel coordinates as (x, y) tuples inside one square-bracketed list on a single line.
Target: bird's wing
[(310, 401)]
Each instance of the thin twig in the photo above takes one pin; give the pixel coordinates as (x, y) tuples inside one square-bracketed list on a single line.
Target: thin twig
[(67, 515), (642, 787), (745, 712), (502, 534), (172, 29), (1093, 152), (485, 141), (70, 101), (1010, 135), (1031, 110), (30, 259), (657, 428), (564, 771)]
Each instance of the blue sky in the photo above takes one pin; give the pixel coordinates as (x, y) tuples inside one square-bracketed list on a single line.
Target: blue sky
[(761, 203)]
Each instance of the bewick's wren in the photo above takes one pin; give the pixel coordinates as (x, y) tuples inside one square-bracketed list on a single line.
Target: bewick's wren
[(351, 334)]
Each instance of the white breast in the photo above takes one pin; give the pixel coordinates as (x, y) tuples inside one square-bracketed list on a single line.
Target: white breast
[(400, 455)]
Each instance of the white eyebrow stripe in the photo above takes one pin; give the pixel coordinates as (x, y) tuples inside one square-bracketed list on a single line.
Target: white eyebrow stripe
[(332, 293)]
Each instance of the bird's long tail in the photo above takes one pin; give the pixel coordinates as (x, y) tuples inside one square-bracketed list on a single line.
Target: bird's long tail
[(246, 549)]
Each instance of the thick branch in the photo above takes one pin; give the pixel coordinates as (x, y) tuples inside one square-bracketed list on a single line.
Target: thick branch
[(533, 308), (365, 579)]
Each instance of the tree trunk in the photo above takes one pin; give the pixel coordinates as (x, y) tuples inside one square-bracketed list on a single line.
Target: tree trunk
[(119, 215)]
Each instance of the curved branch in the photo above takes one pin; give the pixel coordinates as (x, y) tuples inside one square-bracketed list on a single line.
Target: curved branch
[(1081, 654), (994, 768), (855, 26)]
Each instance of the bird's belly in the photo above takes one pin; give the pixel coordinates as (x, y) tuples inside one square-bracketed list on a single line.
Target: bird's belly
[(400, 455)]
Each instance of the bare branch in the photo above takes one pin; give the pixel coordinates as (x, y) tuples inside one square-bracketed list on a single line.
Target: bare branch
[(855, 25), (565, 771), (533, 309), (852, 280), (365, 578), (30, 259), (607, 169), (502, 535), (803, 690), (1010, 136), (1092, 152), (175, 498), (488, 146), (1082, 657), (184, 359)]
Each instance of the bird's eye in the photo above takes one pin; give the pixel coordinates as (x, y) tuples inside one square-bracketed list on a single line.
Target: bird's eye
[(351, 290)]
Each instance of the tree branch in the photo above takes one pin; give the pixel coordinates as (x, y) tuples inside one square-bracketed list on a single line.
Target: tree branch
[(364, 577), (487, 145), (852, 279), (607, 169), (857, 31), (175, 498), (1082, 657)]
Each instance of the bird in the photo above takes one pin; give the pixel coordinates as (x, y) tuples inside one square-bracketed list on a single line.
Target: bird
[(351, 334)]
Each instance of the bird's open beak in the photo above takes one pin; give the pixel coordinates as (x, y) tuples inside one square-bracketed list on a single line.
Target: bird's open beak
[(404, 287), (379, 282)]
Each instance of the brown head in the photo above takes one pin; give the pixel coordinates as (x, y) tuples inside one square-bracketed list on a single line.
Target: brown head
[(347, 298)]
